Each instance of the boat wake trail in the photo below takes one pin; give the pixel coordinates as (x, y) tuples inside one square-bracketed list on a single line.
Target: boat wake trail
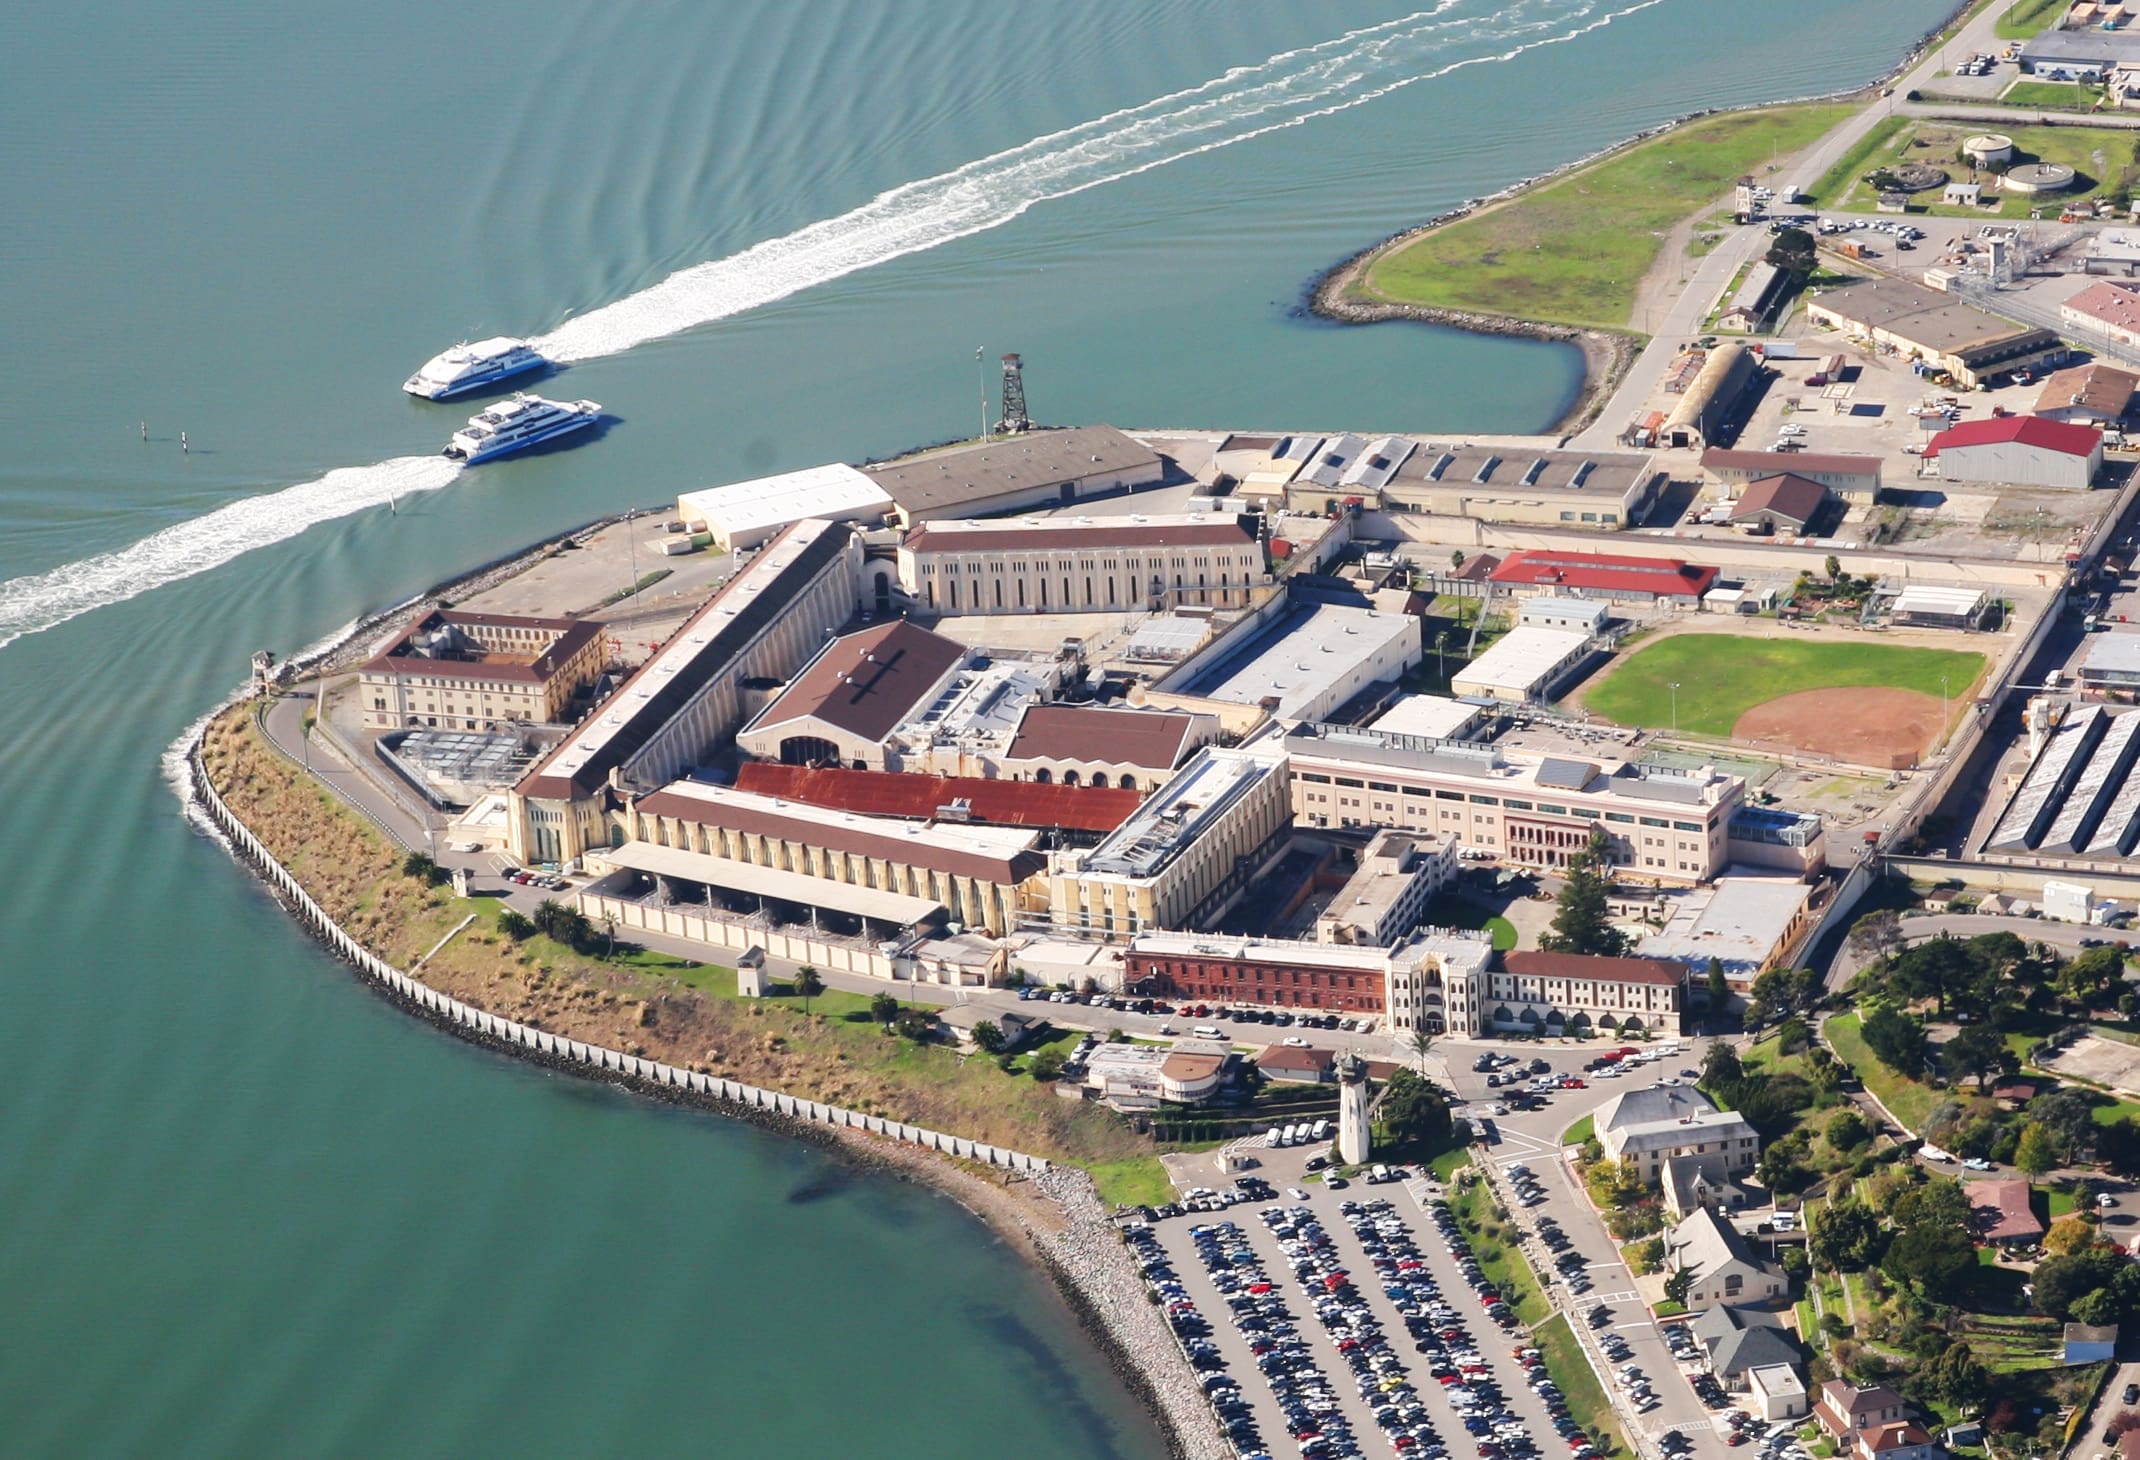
[(1286, 90), (46, 600)]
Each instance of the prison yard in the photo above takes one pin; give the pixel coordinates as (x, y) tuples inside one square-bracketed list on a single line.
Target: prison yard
[(1573, 251)]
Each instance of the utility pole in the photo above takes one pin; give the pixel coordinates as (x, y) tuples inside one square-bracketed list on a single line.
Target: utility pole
[(631, 550), (980, 364), (1675, 708)]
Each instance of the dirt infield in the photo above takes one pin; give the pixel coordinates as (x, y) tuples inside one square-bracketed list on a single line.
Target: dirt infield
[(1872, 727)]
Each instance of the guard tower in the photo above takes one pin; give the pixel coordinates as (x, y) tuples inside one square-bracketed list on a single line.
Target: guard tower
[(1355, 1134), (1014, 416), (263, 671)]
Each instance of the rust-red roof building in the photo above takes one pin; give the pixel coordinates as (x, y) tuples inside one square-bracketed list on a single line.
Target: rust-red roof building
[(925, 797), (1605, 575)]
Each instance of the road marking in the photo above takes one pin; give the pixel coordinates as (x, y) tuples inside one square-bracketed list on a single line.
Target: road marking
[(1642, 1323)]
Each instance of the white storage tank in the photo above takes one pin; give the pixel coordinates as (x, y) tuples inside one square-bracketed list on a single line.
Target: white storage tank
[(1989, 149)]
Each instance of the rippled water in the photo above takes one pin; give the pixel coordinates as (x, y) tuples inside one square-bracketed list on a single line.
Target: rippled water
[(249, 1210)]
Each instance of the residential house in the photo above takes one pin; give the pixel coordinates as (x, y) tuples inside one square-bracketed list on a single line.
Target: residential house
[(1296, 1066), (1741, 1340), (2001, 1212), (1725, 1269), (1845, 1409)]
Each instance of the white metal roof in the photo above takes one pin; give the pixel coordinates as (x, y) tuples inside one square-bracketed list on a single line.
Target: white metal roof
[(836, 491), (1522, 658), (1926, 598), (1433, 716)]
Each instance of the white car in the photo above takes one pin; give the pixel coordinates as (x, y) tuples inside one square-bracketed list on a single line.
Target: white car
[(1976, 1163), (1294, 1041)]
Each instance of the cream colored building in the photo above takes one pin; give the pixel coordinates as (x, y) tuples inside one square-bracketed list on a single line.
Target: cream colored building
[(1661, 824), (1186, 851), (1081, 565), (1384, 900), (986, 877), (1674, 1123), (1085, 745), (843, 708), (1573, 993), (767, 621), (476, 671)]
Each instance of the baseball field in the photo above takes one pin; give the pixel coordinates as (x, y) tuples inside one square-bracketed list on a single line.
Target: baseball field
[(1866, 703)]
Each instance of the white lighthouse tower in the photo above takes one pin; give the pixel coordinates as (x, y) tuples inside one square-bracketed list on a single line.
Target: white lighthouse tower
[(1355, 1135)]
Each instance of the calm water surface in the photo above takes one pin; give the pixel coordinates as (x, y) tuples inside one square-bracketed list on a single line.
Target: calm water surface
[(248, 1209)]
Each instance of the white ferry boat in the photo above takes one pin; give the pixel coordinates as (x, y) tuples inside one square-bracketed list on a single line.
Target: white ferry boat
[(468, 367), (516, 424)]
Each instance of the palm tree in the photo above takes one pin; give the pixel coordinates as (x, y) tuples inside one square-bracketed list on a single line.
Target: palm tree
[(1422, 1041), (808, 984)]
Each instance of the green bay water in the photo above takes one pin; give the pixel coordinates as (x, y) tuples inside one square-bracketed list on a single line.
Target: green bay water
[(248, 1208)]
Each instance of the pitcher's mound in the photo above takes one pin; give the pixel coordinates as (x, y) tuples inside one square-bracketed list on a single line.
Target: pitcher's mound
[(1875, 727)]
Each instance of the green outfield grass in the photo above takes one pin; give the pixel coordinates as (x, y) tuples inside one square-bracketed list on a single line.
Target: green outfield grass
[(1574, 250), (2052, 93), (1722, 676)]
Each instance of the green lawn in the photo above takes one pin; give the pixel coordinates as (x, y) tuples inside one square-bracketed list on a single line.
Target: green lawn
[(2053, 94), (1877, 140), (1458, 912), (1910, 1100), (1578, 1381), (2022, 19), (1448, 1163), (1580, 1132), (1574, 250), (1493, 1243), (1722, 676), (1140, 1182)]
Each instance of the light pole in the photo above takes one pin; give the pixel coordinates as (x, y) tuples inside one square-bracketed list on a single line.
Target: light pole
[(1675, 708), (1943, 707), (980, 368), (631, 549)]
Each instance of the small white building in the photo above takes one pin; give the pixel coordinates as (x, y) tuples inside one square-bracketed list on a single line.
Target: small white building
[(1431, 717), (1574, 615), (745, 514), (2067, 902), (1523, 666), (1777, 1392)]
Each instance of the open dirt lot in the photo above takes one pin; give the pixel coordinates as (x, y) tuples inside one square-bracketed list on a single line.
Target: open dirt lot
[(1869, 727)]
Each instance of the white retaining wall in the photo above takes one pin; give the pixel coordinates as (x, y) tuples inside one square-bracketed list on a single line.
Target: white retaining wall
[(593, 1056)]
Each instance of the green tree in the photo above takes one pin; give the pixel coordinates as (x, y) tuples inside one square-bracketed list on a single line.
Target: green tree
[(1847, 1130), (1719, 985), (1414, 1113), (1876, 935), (1581, 923), (918, 1025), (1677, 1283), (808, 984), (1845, 1236), (2036, 1155), (2068, 1114), (1896, 1038), (1616, 1183), (1646, 1257), (515, 925), (1721, 1069), (2093, 979), (1793, 253), (1047, 1064), (2117, 1146), (419, 866), (1940, 1202), (1422, 1042), (1977, 1052), (884, 1008), (988, 1037), (1934, 1260)]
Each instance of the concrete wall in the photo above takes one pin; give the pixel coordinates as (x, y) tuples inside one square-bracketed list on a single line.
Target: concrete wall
[(540, 1044)]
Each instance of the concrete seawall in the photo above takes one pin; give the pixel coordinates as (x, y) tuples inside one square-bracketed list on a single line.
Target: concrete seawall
[(650, 1077)]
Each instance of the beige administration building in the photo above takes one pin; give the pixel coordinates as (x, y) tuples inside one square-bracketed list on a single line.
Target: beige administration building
[(477, 671), (1081, 565)]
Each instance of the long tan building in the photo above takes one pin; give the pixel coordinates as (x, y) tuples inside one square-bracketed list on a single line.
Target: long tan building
[(1188, 849), (765, 623), (476, 671), (1661, 824), (985, 876), (842, 709), (1081, 565)]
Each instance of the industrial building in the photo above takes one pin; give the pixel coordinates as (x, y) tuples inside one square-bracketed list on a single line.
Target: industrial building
[(986, 877), (1010, 473), (1302, 662), (1854, 478), (1662, 824), (1431, 717), (2105, 309), (1786, 503), (2088, 395), (1747, 924), (1610, 576), (477, 671), (1524, 666), (844, 706), (1937, 329), (1526, 487), (745, 514), (1929, 606), (2019, 451), (1386, 898), (2111, 670), (2078, 55), (1184, 855), (1574, 615), (1710, 397), (767, 620), (1080, 565), (2079, 796)]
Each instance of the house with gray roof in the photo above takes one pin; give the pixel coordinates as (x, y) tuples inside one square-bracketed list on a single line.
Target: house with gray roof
[(1725, 1269), (1740, 1340), (1676, 1122)]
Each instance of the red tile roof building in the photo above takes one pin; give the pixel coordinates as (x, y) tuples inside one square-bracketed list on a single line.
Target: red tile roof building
[(925, 797), (2025, 451), (1605, 575)]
